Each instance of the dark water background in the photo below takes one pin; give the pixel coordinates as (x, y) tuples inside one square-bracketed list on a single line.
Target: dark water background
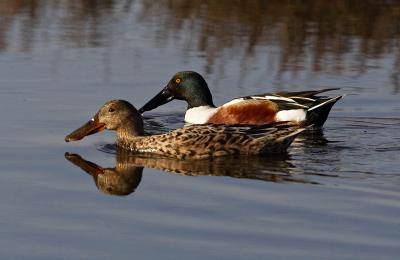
[(334, 196)]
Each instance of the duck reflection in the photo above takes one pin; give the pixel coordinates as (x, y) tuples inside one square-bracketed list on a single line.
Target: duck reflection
[(125, 177), (121, 180)]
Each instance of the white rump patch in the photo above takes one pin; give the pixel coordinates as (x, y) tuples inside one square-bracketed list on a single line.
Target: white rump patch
[(199, 115), (297, 115)]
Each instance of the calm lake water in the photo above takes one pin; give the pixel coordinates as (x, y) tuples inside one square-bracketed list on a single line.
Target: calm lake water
[(334, 196)]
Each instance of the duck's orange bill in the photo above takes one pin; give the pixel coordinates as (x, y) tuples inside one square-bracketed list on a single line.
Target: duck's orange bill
[(91, 127)]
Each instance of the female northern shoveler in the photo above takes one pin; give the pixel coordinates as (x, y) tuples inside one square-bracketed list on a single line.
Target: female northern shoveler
[(192, 142), (300, 107)]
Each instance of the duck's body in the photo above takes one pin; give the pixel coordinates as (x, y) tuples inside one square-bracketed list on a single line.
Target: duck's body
[(204, 141), (192, 142), (304, 107), (244, 111)]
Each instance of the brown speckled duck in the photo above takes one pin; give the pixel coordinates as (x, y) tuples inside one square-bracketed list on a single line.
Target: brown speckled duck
[(191, 142)]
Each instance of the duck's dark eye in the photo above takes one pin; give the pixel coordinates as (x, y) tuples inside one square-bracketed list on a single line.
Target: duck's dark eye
[(111, 110), (178, 80)]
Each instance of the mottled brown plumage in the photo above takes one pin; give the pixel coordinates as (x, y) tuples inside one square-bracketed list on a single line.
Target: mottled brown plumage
[(191, 142)]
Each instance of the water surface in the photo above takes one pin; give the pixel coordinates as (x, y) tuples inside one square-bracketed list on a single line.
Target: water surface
[(334, 195)]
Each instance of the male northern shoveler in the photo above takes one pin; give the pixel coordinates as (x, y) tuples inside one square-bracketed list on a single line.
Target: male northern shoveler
[(303, 107), (192, 142)]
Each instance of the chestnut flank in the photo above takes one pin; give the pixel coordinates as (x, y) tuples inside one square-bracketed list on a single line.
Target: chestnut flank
[(250, 111)]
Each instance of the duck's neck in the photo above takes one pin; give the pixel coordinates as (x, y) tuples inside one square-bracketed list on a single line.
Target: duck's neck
[(200, 102), (130, 132), (199, 95)]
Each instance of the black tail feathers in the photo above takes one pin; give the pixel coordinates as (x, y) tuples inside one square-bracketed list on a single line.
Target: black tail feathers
[(318, 114)]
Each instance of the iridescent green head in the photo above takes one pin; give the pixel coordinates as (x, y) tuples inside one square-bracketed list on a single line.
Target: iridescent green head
[(184, 85)]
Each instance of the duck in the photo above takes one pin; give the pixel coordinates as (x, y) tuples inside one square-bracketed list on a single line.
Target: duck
[(190, 142), (303, 107)]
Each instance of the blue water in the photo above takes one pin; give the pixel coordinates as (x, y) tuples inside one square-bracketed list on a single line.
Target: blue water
[(334, 196)]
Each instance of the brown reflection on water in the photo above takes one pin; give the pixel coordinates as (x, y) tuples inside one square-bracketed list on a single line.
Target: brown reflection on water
[(80, 23), (319, 34), (125, 177), (322, 29), (121, 180)]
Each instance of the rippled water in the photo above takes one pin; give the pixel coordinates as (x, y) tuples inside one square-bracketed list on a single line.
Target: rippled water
[(334, 195)]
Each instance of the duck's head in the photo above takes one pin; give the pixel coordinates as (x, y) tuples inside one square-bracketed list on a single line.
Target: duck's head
[(184, 85), (118, 115)]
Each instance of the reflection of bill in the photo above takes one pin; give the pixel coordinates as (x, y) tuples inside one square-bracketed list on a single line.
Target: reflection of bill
[(127, 174)]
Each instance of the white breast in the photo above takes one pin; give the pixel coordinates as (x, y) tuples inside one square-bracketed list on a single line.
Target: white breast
[(199, 115), (296, 115)]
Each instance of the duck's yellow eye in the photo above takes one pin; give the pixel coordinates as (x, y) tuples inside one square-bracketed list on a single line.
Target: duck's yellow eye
[(178, 80)]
